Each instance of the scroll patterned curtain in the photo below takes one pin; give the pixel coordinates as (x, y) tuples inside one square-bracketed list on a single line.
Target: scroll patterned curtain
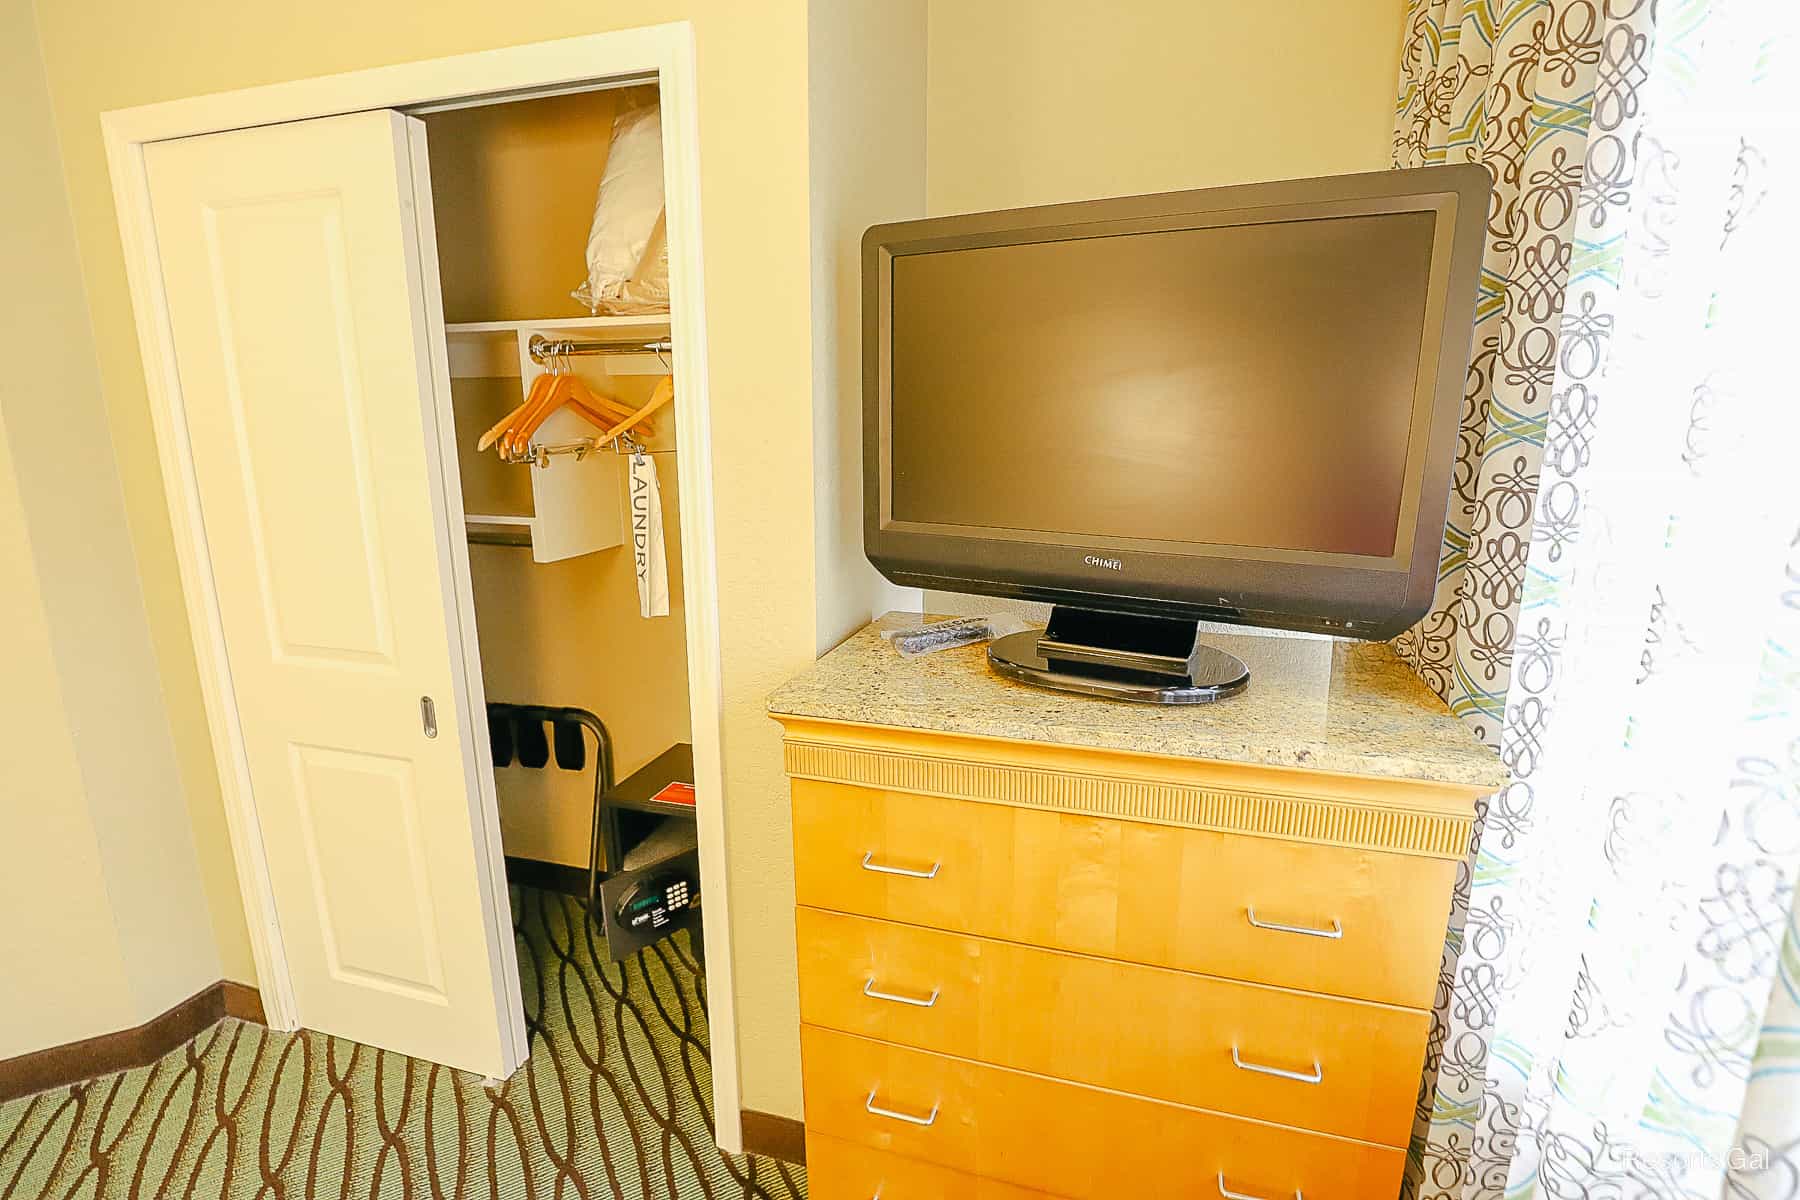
[(1619, 600)]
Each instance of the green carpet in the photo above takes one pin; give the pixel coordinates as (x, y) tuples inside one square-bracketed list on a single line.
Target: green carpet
[(615, 1101)]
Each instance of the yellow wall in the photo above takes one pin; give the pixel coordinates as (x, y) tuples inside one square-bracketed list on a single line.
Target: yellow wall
[(106, 915), (752, 112), (1042, 101)]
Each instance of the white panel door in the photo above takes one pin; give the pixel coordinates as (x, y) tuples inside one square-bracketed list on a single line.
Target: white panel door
[(296, 296)]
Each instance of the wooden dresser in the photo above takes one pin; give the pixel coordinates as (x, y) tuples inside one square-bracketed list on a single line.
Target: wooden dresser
[(1052, 946)]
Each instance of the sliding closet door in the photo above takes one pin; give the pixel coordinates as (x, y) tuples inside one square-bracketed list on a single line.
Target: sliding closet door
[(296, 297)]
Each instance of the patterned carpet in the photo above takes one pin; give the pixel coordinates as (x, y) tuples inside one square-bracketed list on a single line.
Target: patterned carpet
[(615, 1102)]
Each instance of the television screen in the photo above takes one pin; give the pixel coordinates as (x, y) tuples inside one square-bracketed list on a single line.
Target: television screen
[(1239, 385), (1236, 404)]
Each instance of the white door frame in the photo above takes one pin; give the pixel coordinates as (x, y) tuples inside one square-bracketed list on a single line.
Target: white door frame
[(663, 51)]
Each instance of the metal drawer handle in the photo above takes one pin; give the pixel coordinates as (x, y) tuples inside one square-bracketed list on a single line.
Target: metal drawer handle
[(1318, 1072), (1336, 930), (870, 991), (875, 1109), (868, 864), (1231, 1195)]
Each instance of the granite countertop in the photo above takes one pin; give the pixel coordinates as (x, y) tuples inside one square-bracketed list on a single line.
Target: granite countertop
[(1312, 703)]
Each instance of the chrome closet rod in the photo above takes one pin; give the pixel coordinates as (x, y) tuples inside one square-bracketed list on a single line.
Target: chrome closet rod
[(542, 348)]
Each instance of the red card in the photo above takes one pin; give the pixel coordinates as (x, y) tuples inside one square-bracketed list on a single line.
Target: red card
[(676, 793)]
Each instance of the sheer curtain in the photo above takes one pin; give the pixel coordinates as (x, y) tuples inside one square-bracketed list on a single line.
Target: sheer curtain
[(1620, 1009)]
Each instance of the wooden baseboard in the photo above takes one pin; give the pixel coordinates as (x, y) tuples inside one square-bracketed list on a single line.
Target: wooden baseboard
[(548, 876), (58, 1066), (774, 1137), (243, 1002)]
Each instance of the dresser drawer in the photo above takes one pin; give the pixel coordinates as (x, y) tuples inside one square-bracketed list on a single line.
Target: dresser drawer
[(1348, 1067), (1066, 1139), (838, 1170), (1358, 923)]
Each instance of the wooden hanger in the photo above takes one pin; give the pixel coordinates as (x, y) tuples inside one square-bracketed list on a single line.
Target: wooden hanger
[(597, 402), (597, 408), (504, 423), (518, 435), (553, 390), (659, 396), (540, 398)]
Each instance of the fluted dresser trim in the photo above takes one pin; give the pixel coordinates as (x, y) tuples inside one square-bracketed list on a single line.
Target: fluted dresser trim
[(1322, 819)]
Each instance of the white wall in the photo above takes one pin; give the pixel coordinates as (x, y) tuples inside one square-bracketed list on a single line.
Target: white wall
[(106, 918), (1048, 101), (866, 132), (66, 977), (1044, 101)]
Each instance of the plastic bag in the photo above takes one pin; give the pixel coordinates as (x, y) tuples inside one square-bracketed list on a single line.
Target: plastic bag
[(628, 262), (647, 291)]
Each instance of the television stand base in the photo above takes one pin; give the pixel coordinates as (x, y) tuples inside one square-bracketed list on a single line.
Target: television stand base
[(1147, 660)]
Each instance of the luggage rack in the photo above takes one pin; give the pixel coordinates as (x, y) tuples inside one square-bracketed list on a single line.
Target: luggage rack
[(643, 873)]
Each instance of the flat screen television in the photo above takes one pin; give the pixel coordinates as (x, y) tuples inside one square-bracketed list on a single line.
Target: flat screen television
[(1238, 404)]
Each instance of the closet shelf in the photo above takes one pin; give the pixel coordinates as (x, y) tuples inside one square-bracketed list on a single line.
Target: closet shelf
[(495, 349), (498, 529), (651, 323)]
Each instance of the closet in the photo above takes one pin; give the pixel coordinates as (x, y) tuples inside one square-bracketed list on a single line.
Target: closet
[(554, 535), (423, 658)]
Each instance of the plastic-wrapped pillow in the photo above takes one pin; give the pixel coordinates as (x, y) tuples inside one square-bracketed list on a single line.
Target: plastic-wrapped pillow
[(647, 291), (628, 214)]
